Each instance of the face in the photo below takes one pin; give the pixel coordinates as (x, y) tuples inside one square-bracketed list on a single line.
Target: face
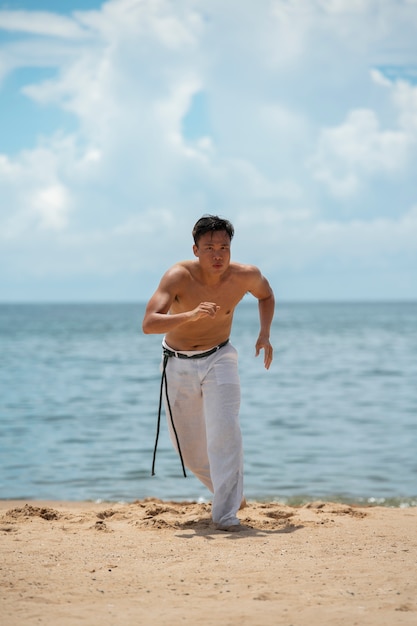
[(213, 251)]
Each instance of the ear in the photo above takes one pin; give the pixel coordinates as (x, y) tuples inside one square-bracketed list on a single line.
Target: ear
[(195, 250)]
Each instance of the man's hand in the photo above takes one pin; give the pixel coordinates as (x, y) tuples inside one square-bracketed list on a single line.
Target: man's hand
[(204, 309), (263, 344)]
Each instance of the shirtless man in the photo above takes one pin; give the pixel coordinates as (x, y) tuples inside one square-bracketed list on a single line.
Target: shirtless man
[(193, 307)]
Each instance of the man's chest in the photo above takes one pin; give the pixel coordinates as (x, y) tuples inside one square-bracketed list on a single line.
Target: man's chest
[(227, 296)]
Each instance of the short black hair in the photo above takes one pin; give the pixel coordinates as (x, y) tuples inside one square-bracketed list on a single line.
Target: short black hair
[(211, 223)]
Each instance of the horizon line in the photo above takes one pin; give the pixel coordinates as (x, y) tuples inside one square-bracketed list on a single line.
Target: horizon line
[(385, 300)]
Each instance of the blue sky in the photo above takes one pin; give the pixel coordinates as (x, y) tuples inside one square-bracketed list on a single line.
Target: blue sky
[(122, 122)]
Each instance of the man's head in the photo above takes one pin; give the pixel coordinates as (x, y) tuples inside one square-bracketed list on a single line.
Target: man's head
[(210, 224)]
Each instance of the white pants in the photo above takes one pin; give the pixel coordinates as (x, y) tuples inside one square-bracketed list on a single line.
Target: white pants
[(204, 395)]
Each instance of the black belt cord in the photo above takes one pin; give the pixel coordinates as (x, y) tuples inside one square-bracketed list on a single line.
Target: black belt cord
[(158, 426)]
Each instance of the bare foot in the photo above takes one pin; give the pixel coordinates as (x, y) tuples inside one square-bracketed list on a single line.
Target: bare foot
[(243, 504)]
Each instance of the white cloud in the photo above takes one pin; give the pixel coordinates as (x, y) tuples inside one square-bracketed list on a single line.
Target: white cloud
[(41, 23), (356, 149), (299, 239), (297, 109), (360, 147), (51, 205), (33, 196), (405, 98), (349, 6)]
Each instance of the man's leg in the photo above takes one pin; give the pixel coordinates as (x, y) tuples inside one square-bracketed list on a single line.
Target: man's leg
[(186, 401), (221, 397)]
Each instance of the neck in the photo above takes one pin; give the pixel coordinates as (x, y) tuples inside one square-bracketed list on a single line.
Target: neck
[(210, 279)]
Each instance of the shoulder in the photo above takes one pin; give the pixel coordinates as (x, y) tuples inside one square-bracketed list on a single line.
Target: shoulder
[(245, 271), (178, 273), (182, 268), (244, 268), (252, 280)]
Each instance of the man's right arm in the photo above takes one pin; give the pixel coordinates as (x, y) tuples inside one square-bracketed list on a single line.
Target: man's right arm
[(158, 319)]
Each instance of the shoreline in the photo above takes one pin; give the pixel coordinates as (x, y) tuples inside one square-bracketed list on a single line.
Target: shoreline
[(291, 501), (162, 562)]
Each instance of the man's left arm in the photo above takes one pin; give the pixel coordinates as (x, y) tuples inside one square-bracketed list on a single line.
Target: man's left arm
[(266, 306)]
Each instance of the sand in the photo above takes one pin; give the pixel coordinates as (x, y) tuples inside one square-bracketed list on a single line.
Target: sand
[(163, 563)]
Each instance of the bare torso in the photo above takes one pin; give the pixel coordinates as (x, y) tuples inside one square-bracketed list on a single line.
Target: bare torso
[(226, 293)]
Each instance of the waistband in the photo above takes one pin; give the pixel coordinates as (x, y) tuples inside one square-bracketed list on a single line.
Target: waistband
[(199, 355)]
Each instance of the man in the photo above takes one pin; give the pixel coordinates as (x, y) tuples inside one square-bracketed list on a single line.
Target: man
[(193, 307)]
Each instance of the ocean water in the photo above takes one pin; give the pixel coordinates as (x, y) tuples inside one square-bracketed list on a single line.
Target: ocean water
[(334, 418)]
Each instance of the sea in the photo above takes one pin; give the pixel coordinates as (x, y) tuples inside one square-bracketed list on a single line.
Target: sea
[(335, 417)]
